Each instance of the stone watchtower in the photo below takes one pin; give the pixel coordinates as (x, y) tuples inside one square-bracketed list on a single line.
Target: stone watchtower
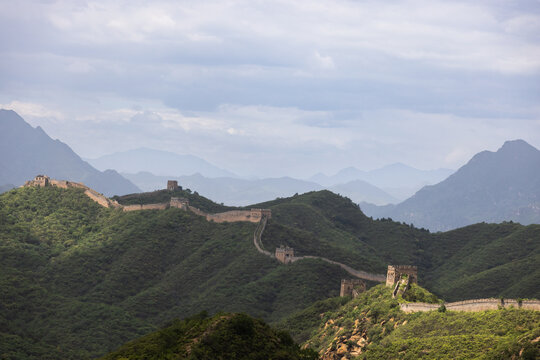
[(352, 287), (41, 180), (172, 185), (285, 254), (396, 271)]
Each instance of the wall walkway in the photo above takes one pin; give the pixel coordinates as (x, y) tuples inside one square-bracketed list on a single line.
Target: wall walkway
[(474, 305), (257, 241)]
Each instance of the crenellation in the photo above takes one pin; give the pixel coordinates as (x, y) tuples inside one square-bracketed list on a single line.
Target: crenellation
[(475, 305)]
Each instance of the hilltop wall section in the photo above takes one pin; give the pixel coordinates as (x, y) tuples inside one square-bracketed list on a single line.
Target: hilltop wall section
[(136, 207), (43, 180), (474, 305)]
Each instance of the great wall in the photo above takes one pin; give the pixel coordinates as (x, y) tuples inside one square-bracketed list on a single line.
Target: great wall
[(398, 276), (474, 305)]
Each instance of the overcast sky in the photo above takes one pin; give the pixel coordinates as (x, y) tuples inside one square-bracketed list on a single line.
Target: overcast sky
[(274, 88)]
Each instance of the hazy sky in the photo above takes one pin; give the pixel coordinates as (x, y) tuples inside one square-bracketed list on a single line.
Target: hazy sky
[(277, 87)]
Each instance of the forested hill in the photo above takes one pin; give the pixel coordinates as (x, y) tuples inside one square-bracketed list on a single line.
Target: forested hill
[(77, 280), (223, 336)]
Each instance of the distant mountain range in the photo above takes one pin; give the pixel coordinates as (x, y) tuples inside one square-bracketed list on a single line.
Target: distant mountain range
[(242, 192), (491, 187), (227, 190), (161, 163), (26, 152), (398, 180)]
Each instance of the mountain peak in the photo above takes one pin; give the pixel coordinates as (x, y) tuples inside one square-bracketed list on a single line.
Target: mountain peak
[(518, 145)]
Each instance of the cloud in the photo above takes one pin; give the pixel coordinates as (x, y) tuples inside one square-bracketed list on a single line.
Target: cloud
[(319, 83), (324, 62), (28, 109)]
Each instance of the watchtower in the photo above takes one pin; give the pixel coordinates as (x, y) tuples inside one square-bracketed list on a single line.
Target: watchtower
[(285, 254), (352, 287), (172, 185), (41, 180), (396, 271)]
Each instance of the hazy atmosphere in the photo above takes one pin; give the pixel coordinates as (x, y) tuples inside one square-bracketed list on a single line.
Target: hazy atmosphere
[(277, 88)]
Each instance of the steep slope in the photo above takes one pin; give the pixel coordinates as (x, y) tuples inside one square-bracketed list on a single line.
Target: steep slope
[(491, 187), (27, 152), (163, 163), (223, 336), (372, 326)]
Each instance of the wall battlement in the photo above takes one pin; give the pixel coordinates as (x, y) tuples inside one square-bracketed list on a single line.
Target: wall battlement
[(474, 305), (43, 181)]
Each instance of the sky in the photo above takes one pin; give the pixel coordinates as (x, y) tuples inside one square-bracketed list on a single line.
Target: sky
[(275, 88)]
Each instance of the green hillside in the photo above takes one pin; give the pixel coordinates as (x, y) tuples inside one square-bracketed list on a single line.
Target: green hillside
[(484, 260), (77, 280), (223, 336), (372, 326)]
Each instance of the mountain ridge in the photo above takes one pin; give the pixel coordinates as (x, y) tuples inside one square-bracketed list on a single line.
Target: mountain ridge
[(33, 152), (159, 162), (492, 187)]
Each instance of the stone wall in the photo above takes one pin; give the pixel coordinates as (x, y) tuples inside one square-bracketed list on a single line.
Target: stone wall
[(180, 203), (231, 216), (414, 307), (102, 200), (475, 305), (159, 206)]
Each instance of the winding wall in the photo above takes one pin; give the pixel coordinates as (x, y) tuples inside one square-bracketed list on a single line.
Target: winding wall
[(257, 241)]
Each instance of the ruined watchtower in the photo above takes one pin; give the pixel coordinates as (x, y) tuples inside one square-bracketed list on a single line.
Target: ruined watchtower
[(172, 185), (396, 271), (352, 287), (285, 254)]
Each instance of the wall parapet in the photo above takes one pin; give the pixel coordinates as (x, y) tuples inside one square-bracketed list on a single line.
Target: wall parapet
[(43, 180), (475, 305)]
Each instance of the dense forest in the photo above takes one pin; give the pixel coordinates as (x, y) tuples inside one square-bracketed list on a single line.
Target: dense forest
[(78, 280)]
